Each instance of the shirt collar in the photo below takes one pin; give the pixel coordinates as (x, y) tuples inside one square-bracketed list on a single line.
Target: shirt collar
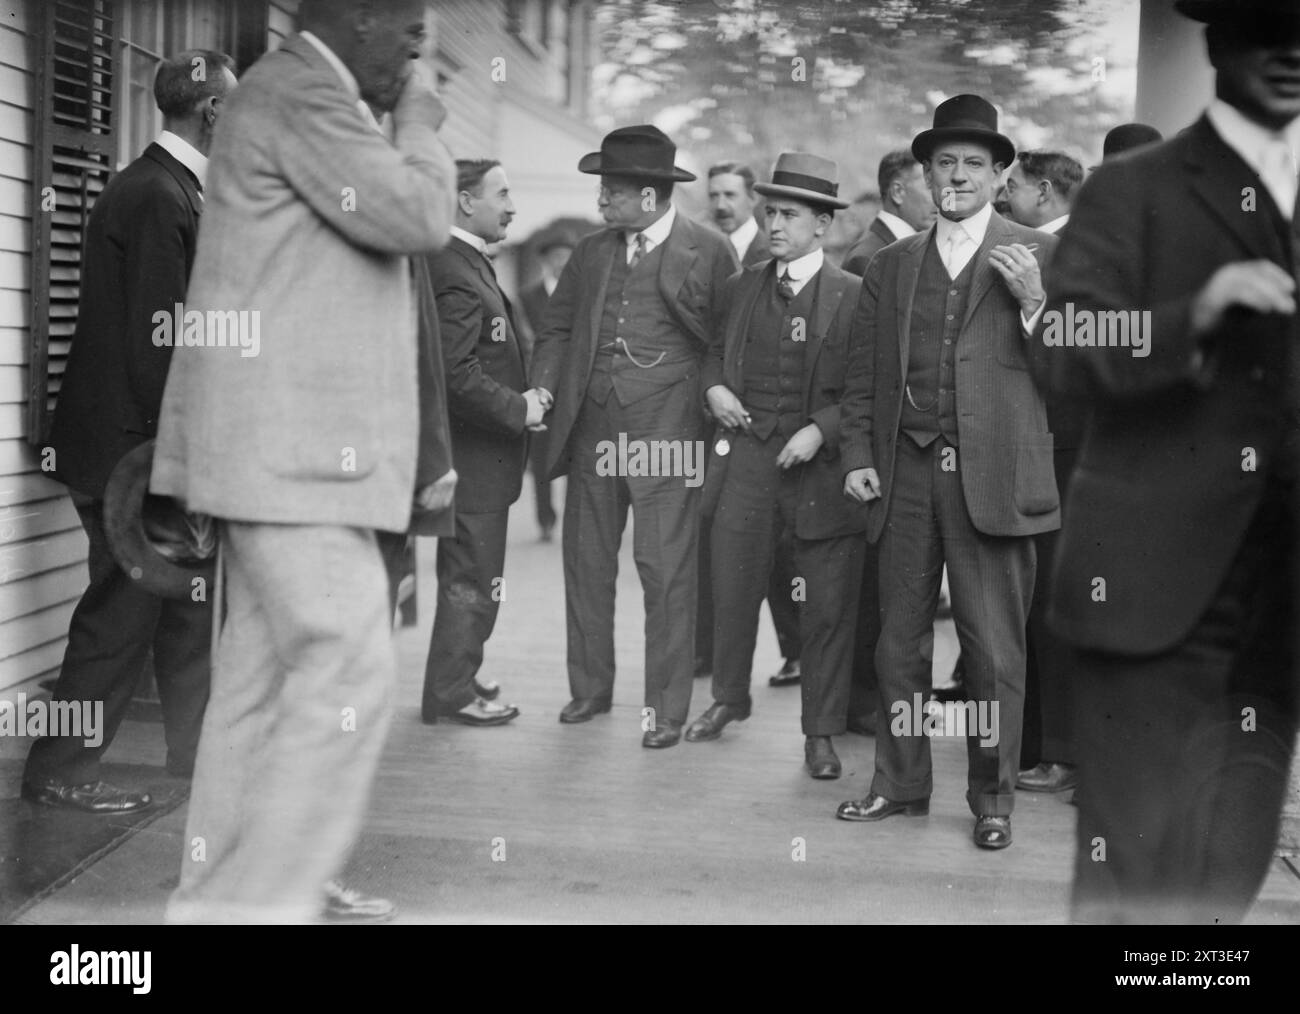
[(802, 268), (1248, 138), (1054, 226), (975, 226), (744, 236), (477, 242), (896, 225), (185, 153), (657, 233)]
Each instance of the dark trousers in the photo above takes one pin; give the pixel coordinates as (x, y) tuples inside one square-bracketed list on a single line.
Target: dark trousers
[(864, 690), (538, 444), (1048, 686), (757, 502), (113, 628), (665, 534), (991, 581), (1183, 757), (471, 584)]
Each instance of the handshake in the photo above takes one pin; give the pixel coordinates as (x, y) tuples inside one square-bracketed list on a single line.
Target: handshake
[(539, 402)]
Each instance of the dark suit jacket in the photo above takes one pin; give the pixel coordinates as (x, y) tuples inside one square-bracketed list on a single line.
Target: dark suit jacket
[(434, 455), (876, 239), (759, 252), (1006, 447), (532, 301), (696, 261), (484, 366), (139, 250), (1160, 501), (823, 511)]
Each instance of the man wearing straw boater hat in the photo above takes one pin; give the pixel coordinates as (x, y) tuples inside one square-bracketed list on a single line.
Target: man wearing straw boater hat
[(773, 380), (618, 356), (946, 437)]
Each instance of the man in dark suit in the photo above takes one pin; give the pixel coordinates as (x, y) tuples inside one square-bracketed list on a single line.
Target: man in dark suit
[(906, 208), (553, 251), (945, 434), (139, 250), (732, 204), (773, 378), (490, 412), (1175, 572), (620, 351)]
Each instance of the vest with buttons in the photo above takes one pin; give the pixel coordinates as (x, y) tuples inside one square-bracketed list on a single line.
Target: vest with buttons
[(772, 372), (930, 399), (636, 313)]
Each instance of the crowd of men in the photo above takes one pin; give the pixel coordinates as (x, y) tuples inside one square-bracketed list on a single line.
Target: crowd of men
[(869, 427)]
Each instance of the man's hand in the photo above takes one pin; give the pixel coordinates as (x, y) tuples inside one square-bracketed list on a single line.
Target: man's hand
[(536, 410), (438, 494), (1261, 286), (726, 407), (418, 102), (801, 447), (1019, 270), (862, 485)]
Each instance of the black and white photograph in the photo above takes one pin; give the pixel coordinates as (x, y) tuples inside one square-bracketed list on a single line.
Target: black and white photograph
[(653, 462)]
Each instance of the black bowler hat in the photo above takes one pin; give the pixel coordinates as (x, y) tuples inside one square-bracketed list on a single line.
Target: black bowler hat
[(160, 547), (644, 152), (965, 117), (804, 177), (1241, 12), (1128, 136)]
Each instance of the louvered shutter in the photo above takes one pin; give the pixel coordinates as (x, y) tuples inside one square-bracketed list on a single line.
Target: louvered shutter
[(74, 153)]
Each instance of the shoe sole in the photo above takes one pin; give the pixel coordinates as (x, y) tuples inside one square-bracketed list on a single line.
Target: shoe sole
[(59, 804), (827, 775), (908, 810), (475, 722)]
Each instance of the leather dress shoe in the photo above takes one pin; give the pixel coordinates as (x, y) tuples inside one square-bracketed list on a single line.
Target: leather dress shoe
[(1048, 777), (790, 674), (89, 797), (342, 904), (489, 691), (478, 712), (664, 734), (710, 724), (876, 807), (864, 724), (583, 709), (819, 755), (993, 832)]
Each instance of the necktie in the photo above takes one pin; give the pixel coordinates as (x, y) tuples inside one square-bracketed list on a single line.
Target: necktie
[(956, 259), (783, 287), (638, 251), (1279, 175)]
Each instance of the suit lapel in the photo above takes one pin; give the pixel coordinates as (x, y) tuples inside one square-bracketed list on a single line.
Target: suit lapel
[(1217, 175), (908, 273), (610, 246), (751, 284), (983, 272), (830, 282), (678, 258), (478, 263)]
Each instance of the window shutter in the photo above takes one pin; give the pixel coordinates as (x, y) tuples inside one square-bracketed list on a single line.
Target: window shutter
[(74, 153)]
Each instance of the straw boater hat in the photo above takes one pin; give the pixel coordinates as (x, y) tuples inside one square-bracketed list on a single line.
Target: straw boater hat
[(804, 177), (965, 118), (643, 152)]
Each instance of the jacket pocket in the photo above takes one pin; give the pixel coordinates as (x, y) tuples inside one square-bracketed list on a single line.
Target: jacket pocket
[(1035, 489)]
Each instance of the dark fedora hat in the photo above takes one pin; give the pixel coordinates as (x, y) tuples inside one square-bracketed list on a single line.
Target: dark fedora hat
[(1246, 13), (644, 152), (804, 177), (160, 547), (1128, 136), (965, 117)]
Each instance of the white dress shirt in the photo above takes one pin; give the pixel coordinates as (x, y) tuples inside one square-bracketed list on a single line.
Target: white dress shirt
[(477, 242), (186, 154), (1055, 225), (969, 234), (801, 269), (1270, 153), (654, 234), (743, 238), (896, 225)]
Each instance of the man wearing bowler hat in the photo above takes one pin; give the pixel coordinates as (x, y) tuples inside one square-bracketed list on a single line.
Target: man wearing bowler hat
[(1182, 509), (618, 358), (946, 437), (773, 379)]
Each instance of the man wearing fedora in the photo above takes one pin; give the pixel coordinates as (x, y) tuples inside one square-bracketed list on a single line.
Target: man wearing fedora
[(773, 379), (139, 253), (946, 437), (1175, 576), (619, 353)]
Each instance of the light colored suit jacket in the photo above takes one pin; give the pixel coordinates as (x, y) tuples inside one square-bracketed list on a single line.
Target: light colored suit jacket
[(310, 215), (1005, 452)]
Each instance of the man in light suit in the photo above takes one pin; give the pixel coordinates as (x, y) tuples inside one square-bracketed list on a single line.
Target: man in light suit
[(139, 252), (945, 434), (1175, 579), (304, 448), (490, 414), (773, 379), (906, 208), (619, 351)]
